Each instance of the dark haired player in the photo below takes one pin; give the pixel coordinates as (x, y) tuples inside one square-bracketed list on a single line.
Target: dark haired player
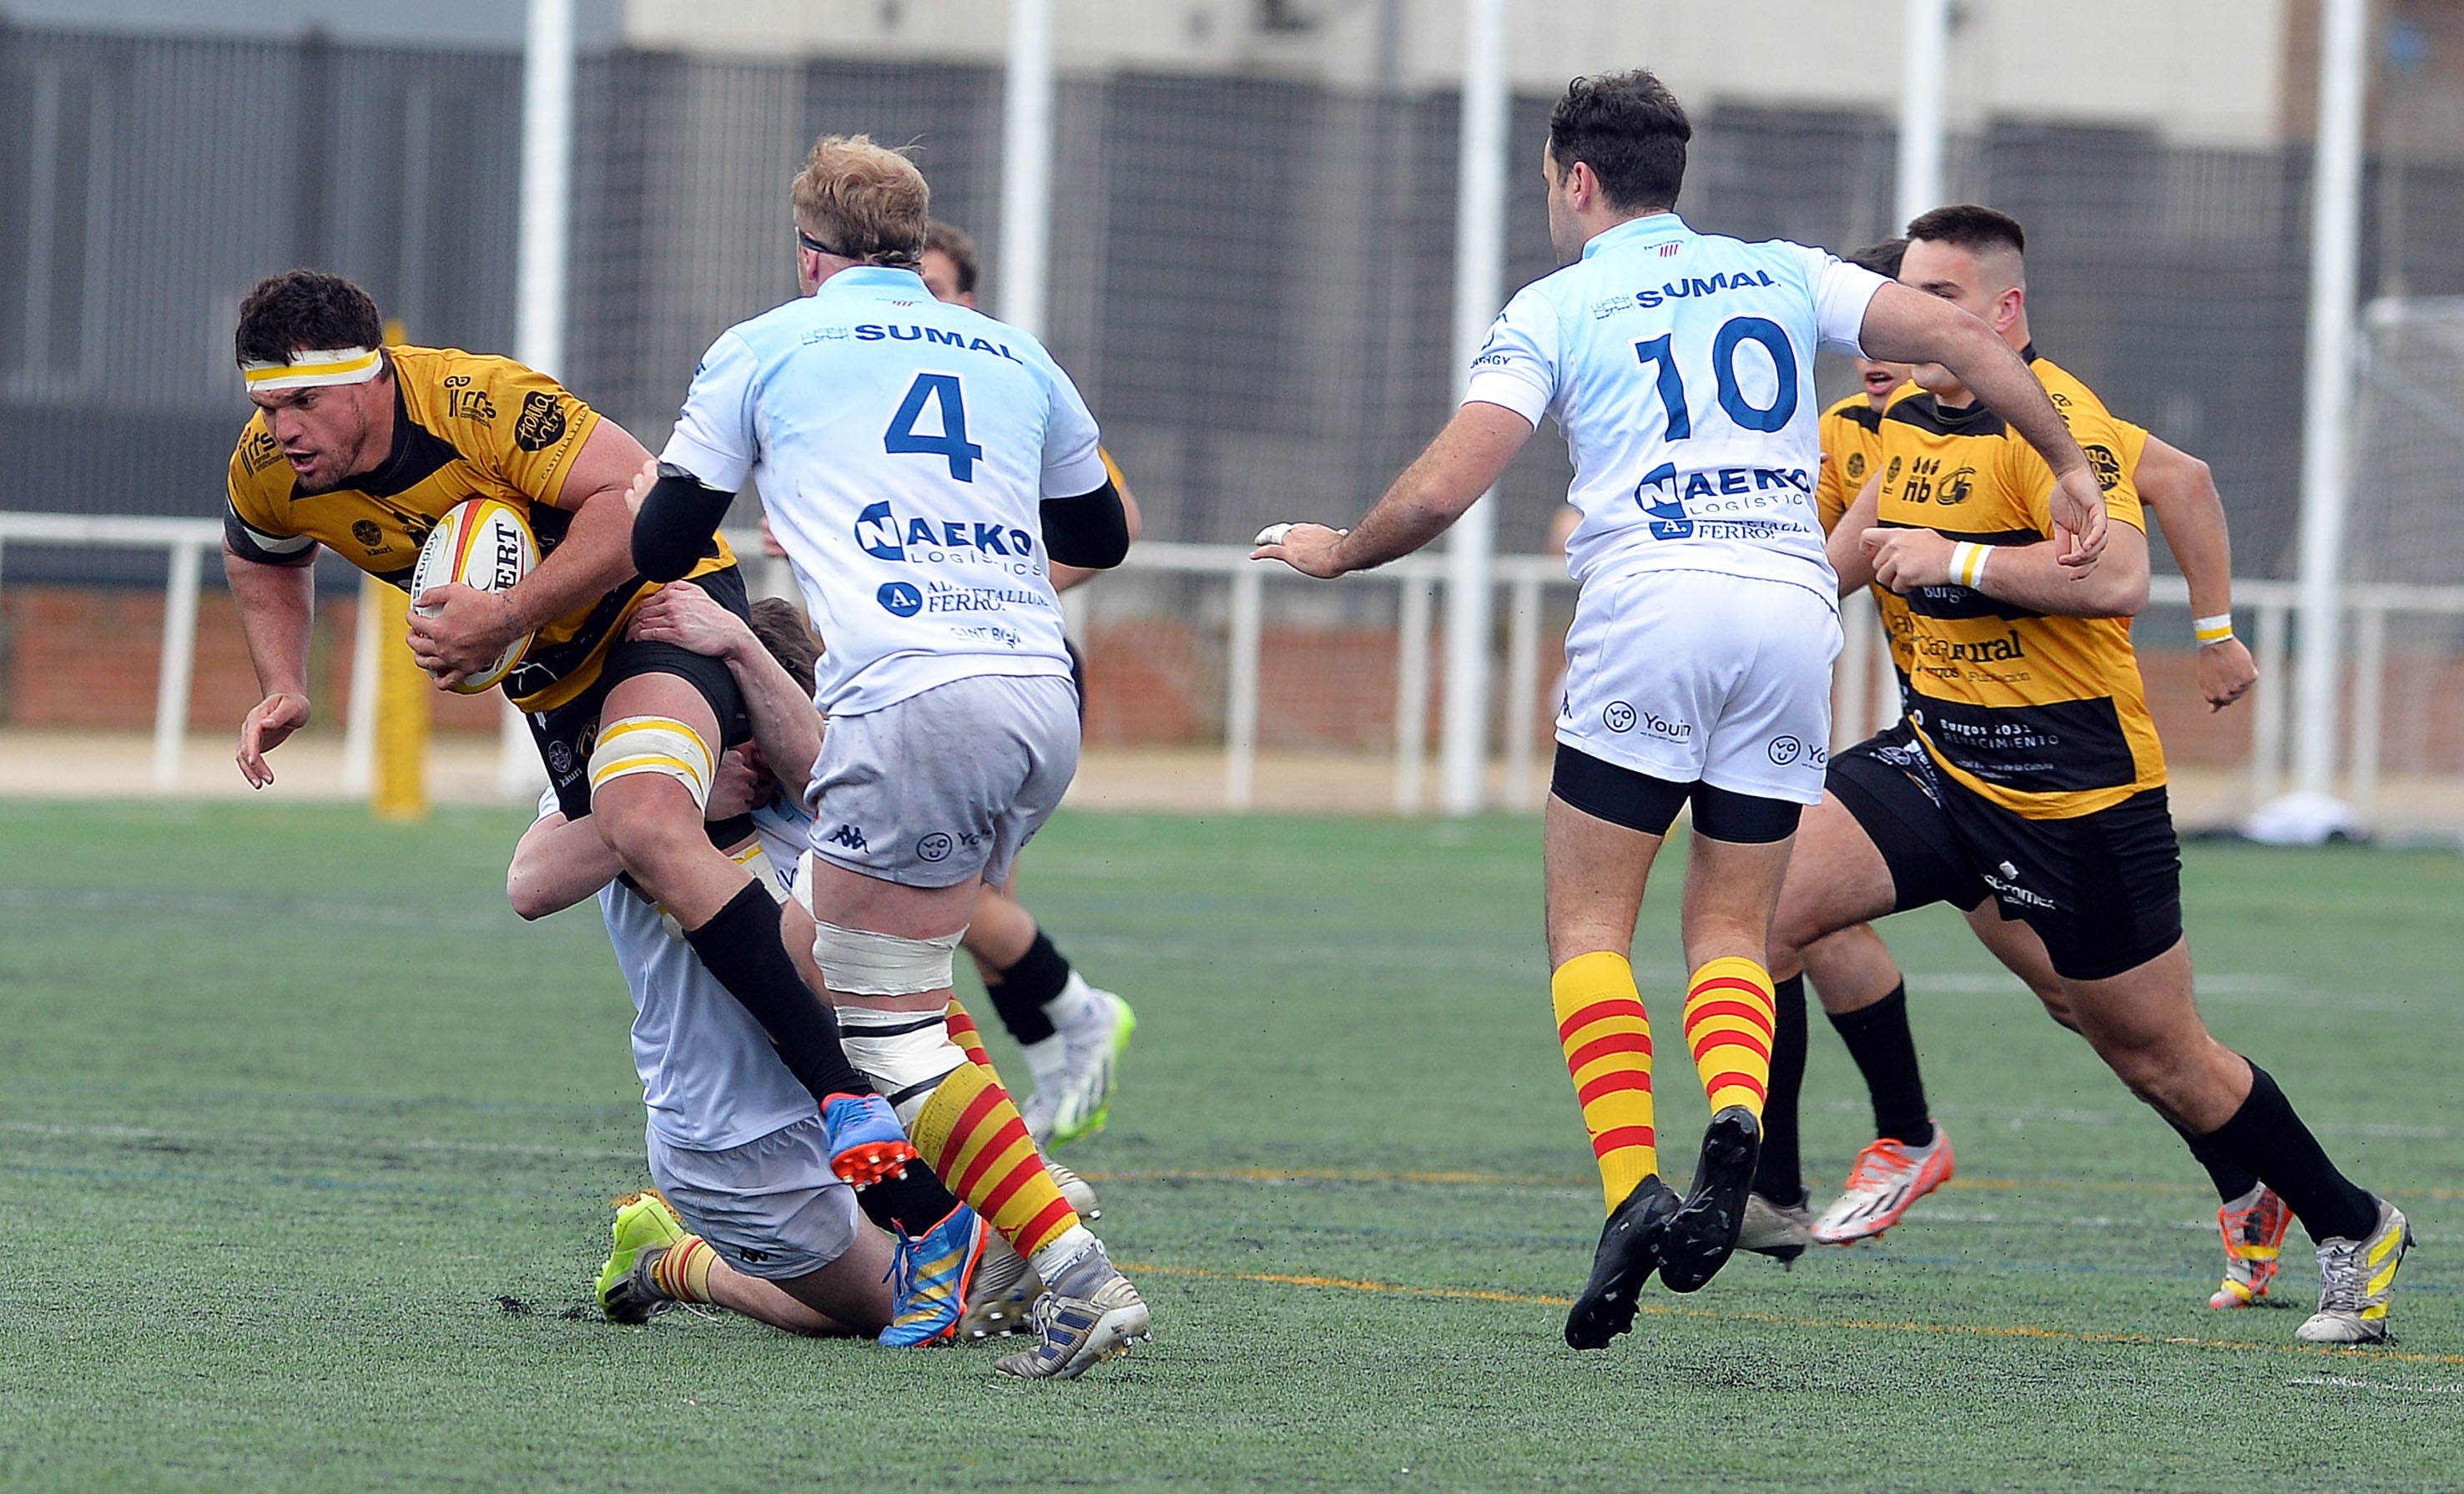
[(1680, 369), (363, 448), (2036, 776)]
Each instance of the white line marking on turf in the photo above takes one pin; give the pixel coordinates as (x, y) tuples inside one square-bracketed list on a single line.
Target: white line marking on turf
[(313, 1143), (2348, 1383)]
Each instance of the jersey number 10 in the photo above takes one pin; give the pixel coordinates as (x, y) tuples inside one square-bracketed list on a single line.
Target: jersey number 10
[(1724, 369), (902, 439)]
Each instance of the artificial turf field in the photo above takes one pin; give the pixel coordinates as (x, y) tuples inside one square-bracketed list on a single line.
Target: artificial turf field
[(306, 1145)]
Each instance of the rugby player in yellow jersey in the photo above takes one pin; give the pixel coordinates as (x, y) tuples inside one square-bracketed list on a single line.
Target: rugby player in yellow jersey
[(361, 447), (1860, 984), (2036, 776)]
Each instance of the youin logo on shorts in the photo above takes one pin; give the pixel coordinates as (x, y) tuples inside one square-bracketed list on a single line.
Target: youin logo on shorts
[(900, 598), (936, 847), (1785, 750), (1618, 717)]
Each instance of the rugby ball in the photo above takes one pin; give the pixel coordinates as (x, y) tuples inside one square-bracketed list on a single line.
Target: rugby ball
[(486, 544)]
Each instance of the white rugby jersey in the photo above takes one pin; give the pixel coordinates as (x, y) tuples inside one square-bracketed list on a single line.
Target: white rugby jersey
[(710, 1078), (1680, 367), (902, 447)]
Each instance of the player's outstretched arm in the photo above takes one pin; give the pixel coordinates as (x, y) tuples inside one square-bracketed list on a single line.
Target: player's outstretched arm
[(2181, 495), (1465, 460), (1903, 326), (276, 607), (2033, 576), (785, 725)]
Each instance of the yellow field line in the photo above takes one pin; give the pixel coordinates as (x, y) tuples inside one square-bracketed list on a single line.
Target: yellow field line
[(1782, 1319), (1499, 1180)]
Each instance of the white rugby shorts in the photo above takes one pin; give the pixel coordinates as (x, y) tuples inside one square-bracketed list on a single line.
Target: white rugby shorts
[(1701, 676), (771, 1207), (946, 786)]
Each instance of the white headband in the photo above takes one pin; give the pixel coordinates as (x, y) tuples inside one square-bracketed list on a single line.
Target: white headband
[(312, 367)]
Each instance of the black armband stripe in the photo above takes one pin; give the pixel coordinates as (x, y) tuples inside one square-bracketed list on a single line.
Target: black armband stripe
[(1091, 530), (672, 531)]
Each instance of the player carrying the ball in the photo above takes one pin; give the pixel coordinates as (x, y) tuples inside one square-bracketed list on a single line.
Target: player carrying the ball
[(1680, 369), (363, 448)]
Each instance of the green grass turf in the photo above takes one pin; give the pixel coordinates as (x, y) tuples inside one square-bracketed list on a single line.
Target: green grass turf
[(306, 1144)]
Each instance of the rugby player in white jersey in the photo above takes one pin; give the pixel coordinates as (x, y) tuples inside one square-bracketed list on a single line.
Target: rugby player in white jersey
[(923, 465), (1680, 369)]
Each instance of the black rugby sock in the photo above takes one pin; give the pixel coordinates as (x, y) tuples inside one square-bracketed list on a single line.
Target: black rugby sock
[(2233, 1181), (1779, 1174), (1019, 993), (1879, 1039), (909, 1204), (2266, 1137), (741, 945)]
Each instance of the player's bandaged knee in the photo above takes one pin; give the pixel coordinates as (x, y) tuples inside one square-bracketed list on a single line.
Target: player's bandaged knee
[(856, 962), (907, 1055), (652, 744)]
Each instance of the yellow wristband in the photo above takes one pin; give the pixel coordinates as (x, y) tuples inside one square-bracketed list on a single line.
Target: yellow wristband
[(2212, 630), (1968, 560)]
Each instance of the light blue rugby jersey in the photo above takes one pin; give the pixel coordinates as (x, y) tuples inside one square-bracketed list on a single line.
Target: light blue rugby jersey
[(902, 447), (1680, 367)]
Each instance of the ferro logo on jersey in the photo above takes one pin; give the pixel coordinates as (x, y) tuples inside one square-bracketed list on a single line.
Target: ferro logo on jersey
[(883, 534), (463, 402), (1700, 507), (542, 423)]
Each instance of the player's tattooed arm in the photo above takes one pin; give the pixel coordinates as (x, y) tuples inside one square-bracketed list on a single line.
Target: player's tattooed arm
[(2180, 493), (1464, 462), (785, 725), (2033, 576), (1903, 326), (276, 607)]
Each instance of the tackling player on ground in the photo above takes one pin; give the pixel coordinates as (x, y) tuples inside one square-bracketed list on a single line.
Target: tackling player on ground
[(2036, 778), (922, 464), (1680, 369)]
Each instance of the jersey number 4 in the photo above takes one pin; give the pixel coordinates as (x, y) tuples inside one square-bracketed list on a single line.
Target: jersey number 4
[(1724, 369), (902, 439)]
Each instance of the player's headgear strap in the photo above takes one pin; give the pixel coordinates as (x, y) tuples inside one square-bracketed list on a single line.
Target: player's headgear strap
[(313, 368)]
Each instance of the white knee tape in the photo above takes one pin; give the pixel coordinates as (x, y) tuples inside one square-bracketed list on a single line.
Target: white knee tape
[(652, 744), (905, 1054), (856, 962)]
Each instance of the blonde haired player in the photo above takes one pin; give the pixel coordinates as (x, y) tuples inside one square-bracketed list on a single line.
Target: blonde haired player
[(923, 465), (1680, 369)]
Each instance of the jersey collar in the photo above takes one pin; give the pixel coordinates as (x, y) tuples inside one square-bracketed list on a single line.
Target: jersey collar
[(1651, 228), (876, 279)]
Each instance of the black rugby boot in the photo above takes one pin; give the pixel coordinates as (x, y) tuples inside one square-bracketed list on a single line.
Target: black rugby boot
[(1704, 1232), (1630, 1245)]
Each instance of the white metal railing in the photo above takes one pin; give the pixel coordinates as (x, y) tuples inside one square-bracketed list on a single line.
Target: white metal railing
[(1524, 578)]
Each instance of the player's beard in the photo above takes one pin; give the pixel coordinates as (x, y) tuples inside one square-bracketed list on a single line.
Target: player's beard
[(359, 440)]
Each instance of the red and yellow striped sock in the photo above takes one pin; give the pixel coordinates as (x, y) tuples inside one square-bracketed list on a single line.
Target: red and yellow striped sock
[(1606, 1039), (970, 1041), (972, 1136), (682, 1270), (1728, 1024)]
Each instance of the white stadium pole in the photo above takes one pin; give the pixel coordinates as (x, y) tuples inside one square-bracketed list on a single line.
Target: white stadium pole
[(539, 259), (1924, 78), (1026, 167), (2327, 404), (1480, 275)]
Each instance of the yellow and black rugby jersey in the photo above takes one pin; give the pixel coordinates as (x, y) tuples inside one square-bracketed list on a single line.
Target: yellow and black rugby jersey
[(1852, 452), (465, 425), (2044, 716)]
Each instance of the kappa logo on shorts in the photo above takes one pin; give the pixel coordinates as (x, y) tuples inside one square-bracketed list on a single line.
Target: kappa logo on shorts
[(847, 835), (900, 598), (751, 1257), (936, 847)]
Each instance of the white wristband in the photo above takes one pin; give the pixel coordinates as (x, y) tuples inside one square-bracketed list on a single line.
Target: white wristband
[(1968, 560), (2212, 630)]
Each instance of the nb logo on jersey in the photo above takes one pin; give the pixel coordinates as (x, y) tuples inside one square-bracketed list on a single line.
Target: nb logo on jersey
[(847, 835)]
